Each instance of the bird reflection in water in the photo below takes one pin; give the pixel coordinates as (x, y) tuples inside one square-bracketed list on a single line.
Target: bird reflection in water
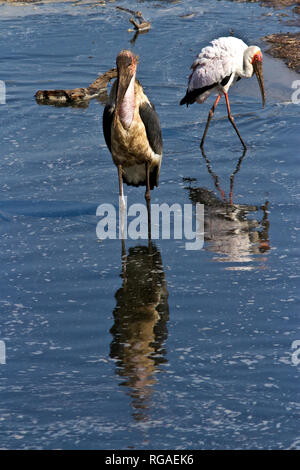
[(233, 231), (140, 324)]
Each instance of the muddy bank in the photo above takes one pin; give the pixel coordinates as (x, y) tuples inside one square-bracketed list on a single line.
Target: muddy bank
[(279, 3), (286, 47), (272, 3)]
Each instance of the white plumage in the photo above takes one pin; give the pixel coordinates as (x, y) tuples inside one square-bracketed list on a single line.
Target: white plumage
[(217, 67), (223, 58)]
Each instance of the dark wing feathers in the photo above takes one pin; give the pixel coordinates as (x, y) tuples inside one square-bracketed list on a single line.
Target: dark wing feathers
[(225, 80), (152, 125), (192, 95), (108, 116)]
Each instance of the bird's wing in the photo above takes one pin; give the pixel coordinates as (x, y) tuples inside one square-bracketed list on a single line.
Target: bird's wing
[(152, 125), (216, 62), (108, 116)]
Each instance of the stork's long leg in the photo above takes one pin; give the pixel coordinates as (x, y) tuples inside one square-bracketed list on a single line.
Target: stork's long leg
[(122, 207), (121, 193), (148, 198), (230, 117), (210, 115)]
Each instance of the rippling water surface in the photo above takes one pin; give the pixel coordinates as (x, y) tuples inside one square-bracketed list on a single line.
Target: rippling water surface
[(165, 348)]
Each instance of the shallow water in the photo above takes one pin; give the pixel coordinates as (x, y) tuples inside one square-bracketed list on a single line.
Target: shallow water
[(171, 348)]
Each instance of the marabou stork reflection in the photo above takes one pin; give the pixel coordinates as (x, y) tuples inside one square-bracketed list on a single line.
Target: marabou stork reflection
[(140, 324)]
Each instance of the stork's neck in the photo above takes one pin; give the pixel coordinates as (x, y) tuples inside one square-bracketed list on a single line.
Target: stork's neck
[(247, 71), (126, 109)]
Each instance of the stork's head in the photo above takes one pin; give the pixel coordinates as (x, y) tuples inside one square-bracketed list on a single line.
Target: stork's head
[(126, 66), (254, 57), (126, 60)]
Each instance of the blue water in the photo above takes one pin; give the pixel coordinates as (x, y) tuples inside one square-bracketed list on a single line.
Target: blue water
[(167, 348)]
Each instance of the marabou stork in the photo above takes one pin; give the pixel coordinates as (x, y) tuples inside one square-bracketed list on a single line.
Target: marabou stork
[(217, 67), (132, 130)]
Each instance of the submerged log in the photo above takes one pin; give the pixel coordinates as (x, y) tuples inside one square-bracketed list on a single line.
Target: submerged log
[(76, 95)]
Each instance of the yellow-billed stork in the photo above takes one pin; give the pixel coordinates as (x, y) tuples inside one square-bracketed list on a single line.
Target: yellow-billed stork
[(217, 67), (132, 130)]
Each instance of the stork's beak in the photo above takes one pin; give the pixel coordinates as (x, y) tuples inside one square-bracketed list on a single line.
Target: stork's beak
[(257, 66), (124, 78), (126, 65)]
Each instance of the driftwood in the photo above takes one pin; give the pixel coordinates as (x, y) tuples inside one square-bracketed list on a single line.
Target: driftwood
[(77, 96), (139, 23)]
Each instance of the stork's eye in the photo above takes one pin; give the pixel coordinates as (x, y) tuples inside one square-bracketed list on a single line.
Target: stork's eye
[(258, 57)]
